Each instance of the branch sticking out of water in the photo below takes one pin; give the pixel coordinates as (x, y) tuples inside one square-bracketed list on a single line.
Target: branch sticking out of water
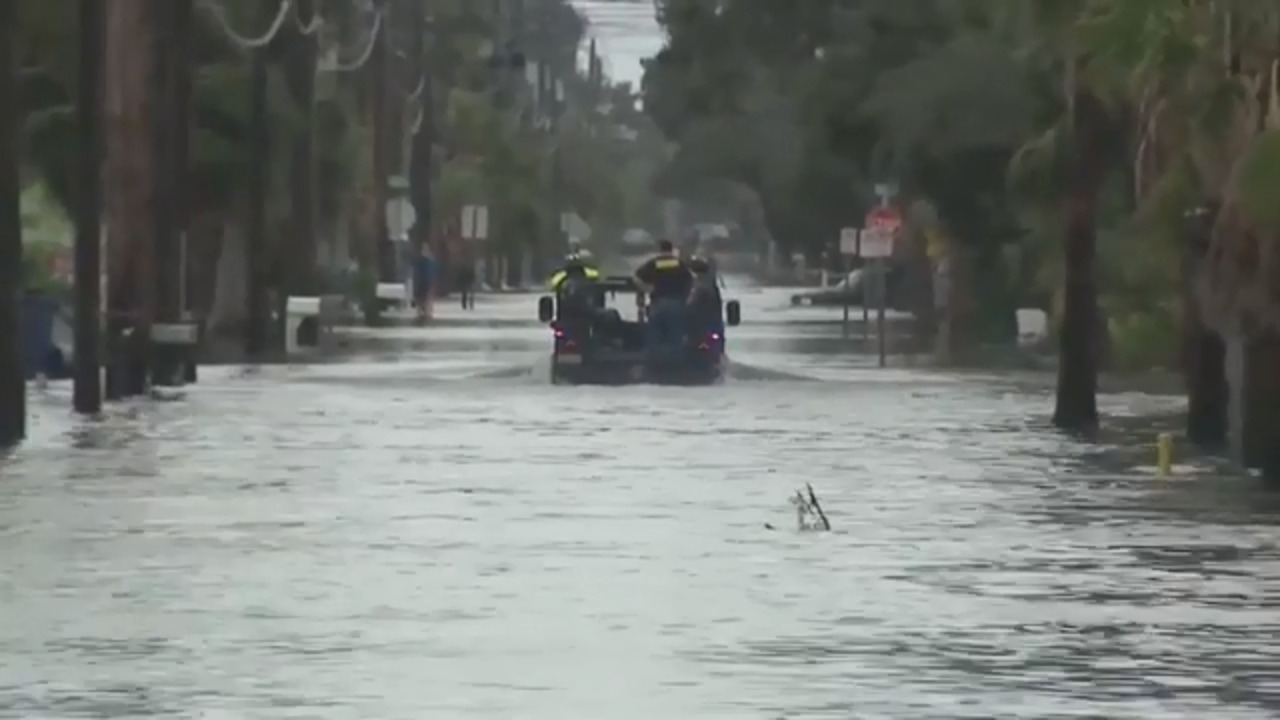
[(817, 507), (807, 506)]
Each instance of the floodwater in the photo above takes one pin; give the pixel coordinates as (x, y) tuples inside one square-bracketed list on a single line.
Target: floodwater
[(433, 531)]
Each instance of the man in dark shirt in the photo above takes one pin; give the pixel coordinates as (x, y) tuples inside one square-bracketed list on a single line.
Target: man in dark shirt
[(667, 280)]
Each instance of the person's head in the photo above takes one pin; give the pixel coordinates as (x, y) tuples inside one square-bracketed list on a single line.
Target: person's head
[(666, 247), (573, 260), (585, 256)]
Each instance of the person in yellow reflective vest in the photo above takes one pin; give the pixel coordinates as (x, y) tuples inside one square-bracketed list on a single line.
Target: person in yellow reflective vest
[(576, 266), (669, 283), (577, 301)]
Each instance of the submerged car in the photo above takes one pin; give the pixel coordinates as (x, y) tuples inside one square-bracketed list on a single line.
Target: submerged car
[(852, 289), (608, 349)]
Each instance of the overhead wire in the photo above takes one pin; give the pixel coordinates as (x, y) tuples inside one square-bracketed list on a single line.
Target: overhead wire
[(312, 26), (219, 13), (367, 52)]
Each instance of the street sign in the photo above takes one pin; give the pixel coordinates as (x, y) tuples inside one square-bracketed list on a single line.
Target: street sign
[(572, 225), (876, 243), (475, 222), (885, 217), (886, 190), (849, 241), (400, 217)]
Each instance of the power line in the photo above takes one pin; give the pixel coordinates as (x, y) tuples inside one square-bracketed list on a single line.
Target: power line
[(219, 13), (312, 26), (366, 53)]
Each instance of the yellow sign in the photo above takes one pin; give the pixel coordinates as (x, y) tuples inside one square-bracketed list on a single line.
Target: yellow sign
[(936, 243)]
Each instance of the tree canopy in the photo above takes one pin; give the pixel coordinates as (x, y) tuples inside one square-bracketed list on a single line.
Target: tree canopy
[(486, 150), (968, 106)]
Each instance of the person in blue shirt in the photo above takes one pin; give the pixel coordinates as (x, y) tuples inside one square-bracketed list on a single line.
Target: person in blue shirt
[(424, 276)]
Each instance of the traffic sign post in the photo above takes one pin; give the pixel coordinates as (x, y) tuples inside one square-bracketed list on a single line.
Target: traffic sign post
[(882, 226), (849, 238), (849, 241), (475, 222)]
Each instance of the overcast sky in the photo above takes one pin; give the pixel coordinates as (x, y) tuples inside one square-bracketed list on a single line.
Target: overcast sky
[(626, 32)]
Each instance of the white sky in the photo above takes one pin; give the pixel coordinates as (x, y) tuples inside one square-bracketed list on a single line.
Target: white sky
[(625, 31)]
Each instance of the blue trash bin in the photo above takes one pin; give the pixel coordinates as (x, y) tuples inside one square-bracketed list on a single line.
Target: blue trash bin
[(40, 353)]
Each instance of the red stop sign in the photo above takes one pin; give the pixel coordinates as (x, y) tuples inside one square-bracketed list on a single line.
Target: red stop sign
[(886, 219)]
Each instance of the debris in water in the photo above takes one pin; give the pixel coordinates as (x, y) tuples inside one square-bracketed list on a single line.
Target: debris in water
[(809, 514)]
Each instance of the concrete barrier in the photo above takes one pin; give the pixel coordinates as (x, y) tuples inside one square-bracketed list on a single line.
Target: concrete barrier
[(177, 344), (309, 321), (393, 295)]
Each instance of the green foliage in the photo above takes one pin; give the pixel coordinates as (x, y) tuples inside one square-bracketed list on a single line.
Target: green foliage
[(1259, 181), (968, 106)]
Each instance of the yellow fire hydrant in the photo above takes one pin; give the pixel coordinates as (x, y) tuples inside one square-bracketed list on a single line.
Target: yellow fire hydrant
[(1164, 454)]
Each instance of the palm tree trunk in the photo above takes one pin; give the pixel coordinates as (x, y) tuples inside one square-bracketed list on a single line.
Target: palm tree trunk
[(1262, 448), (1077, 402), (1204, 352)]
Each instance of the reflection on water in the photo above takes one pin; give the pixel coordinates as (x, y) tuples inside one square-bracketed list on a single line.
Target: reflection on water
[(381, 541)]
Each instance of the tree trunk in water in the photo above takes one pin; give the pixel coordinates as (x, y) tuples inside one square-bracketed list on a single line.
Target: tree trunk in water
[(13, 386), (1203, 351), (228, 311), (1077, 398), (1262, 405), (128, 200), (301, 70), (1207, 391)]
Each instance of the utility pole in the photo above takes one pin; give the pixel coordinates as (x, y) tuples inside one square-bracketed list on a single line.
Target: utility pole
[(555, 94), (301, 265), (256, 301), (131, 290), (379, 69), (422, 144), (169, 110), (13, 384), (184, 61), (87, 393)]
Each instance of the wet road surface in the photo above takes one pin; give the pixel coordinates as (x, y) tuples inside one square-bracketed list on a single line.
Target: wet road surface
[(435, 532)]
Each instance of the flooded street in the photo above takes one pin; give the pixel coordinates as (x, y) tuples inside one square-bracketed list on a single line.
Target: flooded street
[(433, 531)]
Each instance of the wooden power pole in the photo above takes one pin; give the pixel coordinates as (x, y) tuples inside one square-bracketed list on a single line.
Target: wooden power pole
[(13, 385), (257, 310), (379, 71), (87, 393), (301, 71), (130, 187), (422, 143), (169, 117)]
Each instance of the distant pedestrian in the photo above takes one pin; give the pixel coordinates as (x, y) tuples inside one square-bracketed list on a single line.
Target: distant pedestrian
[(467, 283), (424, 275)]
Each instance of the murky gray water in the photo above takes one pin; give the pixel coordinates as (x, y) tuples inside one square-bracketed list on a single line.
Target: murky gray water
[(408, 540)]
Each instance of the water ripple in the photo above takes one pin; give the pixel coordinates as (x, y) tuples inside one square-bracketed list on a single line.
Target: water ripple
[(278, 545)]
